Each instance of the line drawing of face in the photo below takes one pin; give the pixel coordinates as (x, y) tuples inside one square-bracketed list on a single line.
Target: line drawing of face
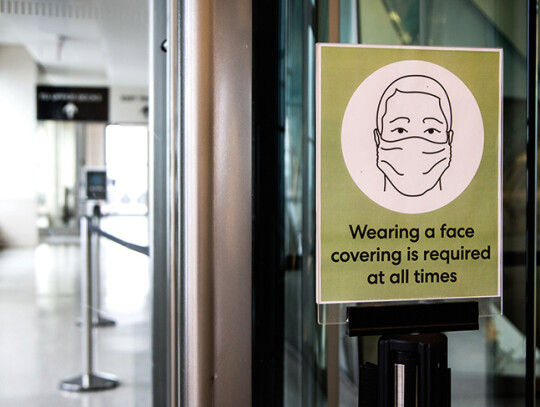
[(362, 139), (414, 135)]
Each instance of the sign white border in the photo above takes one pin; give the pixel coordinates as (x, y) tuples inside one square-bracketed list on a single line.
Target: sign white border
[(319, 46)]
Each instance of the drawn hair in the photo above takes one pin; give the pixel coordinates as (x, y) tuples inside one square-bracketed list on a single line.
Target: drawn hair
[(416, 84)]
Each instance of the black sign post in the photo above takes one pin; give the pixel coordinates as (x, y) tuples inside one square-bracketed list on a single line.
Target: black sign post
[(72, 103), (412, 366)]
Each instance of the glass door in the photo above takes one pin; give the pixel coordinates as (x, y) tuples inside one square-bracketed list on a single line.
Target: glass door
[(312, 365)]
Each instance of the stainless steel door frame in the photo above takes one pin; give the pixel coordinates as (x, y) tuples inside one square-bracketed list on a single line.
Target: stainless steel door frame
[(208, 203), (158, 204)]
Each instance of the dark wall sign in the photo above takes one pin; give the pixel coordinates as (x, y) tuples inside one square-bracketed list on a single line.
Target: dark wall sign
[(72, 104)]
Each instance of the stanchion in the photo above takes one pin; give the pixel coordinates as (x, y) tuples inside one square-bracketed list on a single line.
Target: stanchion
[(88, 380), (413, 371), (412, 358), (97, 319)]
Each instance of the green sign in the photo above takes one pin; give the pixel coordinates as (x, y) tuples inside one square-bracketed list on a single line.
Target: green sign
[(408, 173)]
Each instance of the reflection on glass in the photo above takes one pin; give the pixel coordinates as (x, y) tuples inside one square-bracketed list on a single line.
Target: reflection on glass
[(488, 365), (305, 353)]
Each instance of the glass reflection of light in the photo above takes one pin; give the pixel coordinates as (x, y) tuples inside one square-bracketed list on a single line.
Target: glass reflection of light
[(127, 168), (56, 271), (125, 273)]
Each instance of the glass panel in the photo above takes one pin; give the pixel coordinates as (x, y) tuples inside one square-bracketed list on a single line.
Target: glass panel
[(488, 366), (305, 351), (56, 175)]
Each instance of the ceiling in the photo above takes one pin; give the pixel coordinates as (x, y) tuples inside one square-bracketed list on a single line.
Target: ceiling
[(82, 42)]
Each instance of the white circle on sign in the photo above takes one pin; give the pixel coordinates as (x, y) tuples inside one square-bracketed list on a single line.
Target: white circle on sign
[(412, 136)]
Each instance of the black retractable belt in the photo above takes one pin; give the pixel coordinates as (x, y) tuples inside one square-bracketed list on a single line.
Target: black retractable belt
[(412, 367)]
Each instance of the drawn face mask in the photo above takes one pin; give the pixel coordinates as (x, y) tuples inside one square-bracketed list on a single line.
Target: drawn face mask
[(414, 149), (413, 165)]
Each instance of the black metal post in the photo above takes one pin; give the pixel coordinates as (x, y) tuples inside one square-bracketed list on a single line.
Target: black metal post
[(268, 211), (413, 355), (413, 371)]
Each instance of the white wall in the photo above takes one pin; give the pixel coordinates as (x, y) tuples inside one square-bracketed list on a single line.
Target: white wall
[(127, 105), (18, 74)]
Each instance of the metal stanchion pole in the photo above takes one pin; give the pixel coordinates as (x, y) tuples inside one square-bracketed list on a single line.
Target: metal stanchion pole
[(88, 380), (97, 318)]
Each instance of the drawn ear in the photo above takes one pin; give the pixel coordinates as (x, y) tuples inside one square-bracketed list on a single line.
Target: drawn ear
[(450, 135), (377, 136)]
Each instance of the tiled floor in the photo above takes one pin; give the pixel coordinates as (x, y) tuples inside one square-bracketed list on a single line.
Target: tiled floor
[(40, 344)]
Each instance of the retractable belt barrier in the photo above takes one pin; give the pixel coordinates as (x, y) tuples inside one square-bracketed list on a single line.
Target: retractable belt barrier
[(412, 368), (90, 232), (132, 246), (95, 227)]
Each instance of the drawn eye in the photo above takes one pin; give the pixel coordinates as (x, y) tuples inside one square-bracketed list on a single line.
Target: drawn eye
[(432, 131), (400, 130)]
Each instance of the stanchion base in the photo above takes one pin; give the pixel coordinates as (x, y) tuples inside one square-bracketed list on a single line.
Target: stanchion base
[(101, 322), (91, 382)]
